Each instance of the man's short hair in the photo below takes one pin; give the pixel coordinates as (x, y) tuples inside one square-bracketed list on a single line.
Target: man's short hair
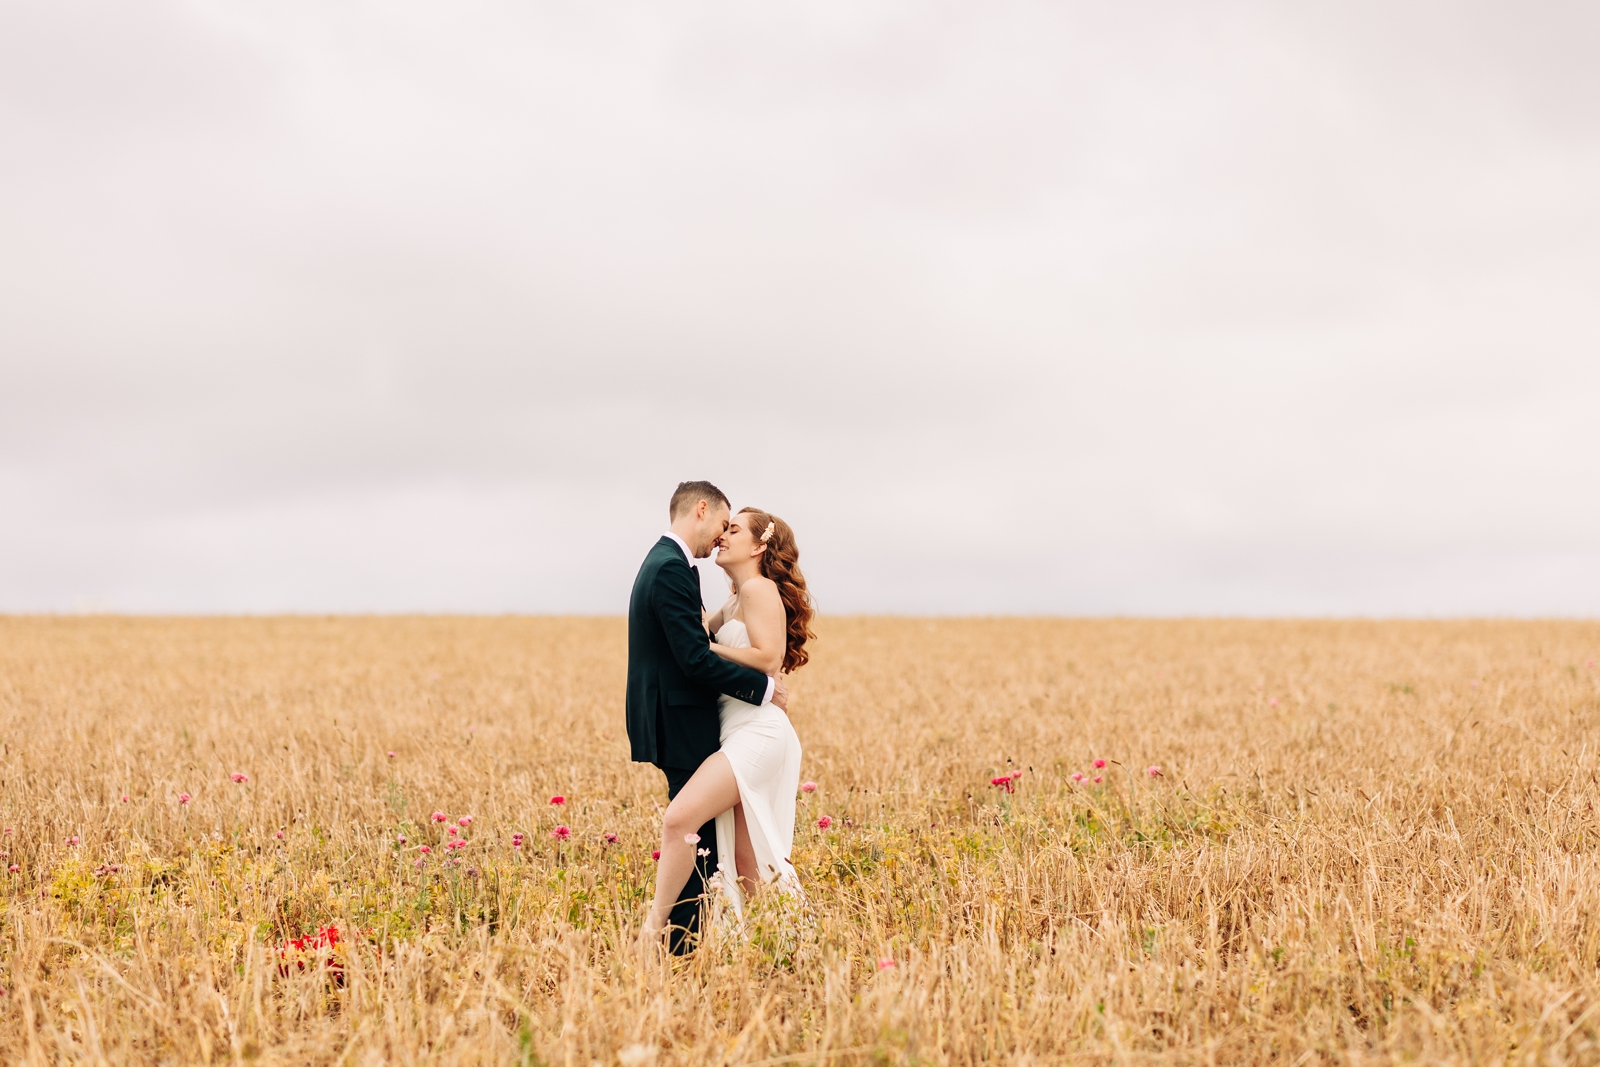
[(688, 494)]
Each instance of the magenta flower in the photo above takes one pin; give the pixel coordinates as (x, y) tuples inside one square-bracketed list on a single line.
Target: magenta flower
[(465, 820), (14, 868), (610, 839), (439, 816), (452, 831), (1077, 776), (824, 822), (1154, 771), (74, 839), (656, 855), (1003, 782), (184, 798), (419, 862), (1099, 764), (240, 778), (885, 964), (400, 839), (391, 753), (124, 798), (424, 849), (808, 787), (561, 833), (558, 800), (1097, 779), (279, 835)]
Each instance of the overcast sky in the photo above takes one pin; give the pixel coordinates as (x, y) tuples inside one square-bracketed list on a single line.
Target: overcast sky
[(1082, 308)]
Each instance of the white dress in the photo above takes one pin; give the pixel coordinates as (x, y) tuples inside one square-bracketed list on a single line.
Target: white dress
[(765, 753)]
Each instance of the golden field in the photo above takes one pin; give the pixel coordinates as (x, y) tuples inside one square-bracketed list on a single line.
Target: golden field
[(1370, 842)]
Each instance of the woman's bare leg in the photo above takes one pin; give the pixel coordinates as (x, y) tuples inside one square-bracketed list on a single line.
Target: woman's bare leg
[(712, 791), (744, 854)]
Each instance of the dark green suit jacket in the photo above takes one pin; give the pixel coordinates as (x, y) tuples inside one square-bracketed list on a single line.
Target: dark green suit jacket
[(673, 676)]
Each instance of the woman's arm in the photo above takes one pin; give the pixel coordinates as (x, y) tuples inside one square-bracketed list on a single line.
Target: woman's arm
[(714, 623), (766, 623)]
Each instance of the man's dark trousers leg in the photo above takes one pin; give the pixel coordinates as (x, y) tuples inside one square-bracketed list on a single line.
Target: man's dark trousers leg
[(685, 920)]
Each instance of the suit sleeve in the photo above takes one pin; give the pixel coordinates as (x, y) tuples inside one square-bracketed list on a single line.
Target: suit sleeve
[(676, 602)]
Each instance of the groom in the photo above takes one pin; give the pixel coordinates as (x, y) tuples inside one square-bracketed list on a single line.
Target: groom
[(674, 677)]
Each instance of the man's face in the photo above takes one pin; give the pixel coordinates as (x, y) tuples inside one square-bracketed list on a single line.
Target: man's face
[(710, 530)]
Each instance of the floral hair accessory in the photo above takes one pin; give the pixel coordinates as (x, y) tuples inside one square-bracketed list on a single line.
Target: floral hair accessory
[(767, 533)]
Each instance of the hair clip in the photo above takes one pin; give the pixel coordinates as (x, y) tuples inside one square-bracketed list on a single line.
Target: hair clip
[(767, 535)]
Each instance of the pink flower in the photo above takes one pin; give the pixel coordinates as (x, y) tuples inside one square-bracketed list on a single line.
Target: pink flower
[(656, 855), (702, 852), (885, 964), (74, 839), (1154, 770), (279, 835), (465, 820), (1077, 776), (558, 800), (1099, 764), (8, 831), (824, 822), (124, 798), (808, 787), (452, 831), (14, 868), (691, 839), (561, 833), (391, 753), (1097, 779), (1273, 702), (184, 798), (1002, 782), (400, 839), (424, 849), (439, 816), (418, 863), (240, 778), (610, 839)]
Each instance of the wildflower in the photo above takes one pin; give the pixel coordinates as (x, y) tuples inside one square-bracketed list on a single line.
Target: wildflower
[(14, 868), (702, 852), (472, 872), (184, 798), (1154, 770), (424, 849), (74, 839), (824, 822), (239, 778), (517, 839), (418, 863), (1015, 775), (656, 855), (610, 839), (1002, 782), (691, 839), (561, 833), (280, 836), (8, 831), (1099, 764), (1273, 702), (1077, 776), (457, 861), (391, 753), (808, 787), (124, 798), (1097, 779), (885, 964), (452, 831), (400, 839), (464, 821), (558, 800), (439, 816)]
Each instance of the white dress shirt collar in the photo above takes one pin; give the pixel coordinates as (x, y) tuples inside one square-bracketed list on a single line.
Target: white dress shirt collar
[(683, 545)]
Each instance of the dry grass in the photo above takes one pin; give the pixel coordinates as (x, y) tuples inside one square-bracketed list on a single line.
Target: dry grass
[(1372, 842)]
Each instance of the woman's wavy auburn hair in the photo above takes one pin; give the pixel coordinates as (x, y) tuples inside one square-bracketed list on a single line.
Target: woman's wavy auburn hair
[(781, 563)]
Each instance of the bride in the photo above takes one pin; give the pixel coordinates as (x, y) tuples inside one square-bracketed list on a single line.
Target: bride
[(749, 785)]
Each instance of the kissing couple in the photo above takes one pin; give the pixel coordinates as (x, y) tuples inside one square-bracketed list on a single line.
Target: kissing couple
[(707, 704)]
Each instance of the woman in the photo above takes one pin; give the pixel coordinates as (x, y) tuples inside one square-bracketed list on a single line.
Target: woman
[(749, 785)]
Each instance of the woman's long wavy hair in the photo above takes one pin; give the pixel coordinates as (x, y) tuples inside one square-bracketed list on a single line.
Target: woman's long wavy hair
[(781, 563)]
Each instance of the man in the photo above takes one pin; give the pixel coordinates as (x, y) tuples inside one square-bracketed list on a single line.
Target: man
[(674, 677)]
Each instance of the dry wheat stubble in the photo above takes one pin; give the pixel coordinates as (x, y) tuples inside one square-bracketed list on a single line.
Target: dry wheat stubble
[(1368, 842)]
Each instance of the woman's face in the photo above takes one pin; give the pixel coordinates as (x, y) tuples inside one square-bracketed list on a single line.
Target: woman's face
[(739, 543)]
